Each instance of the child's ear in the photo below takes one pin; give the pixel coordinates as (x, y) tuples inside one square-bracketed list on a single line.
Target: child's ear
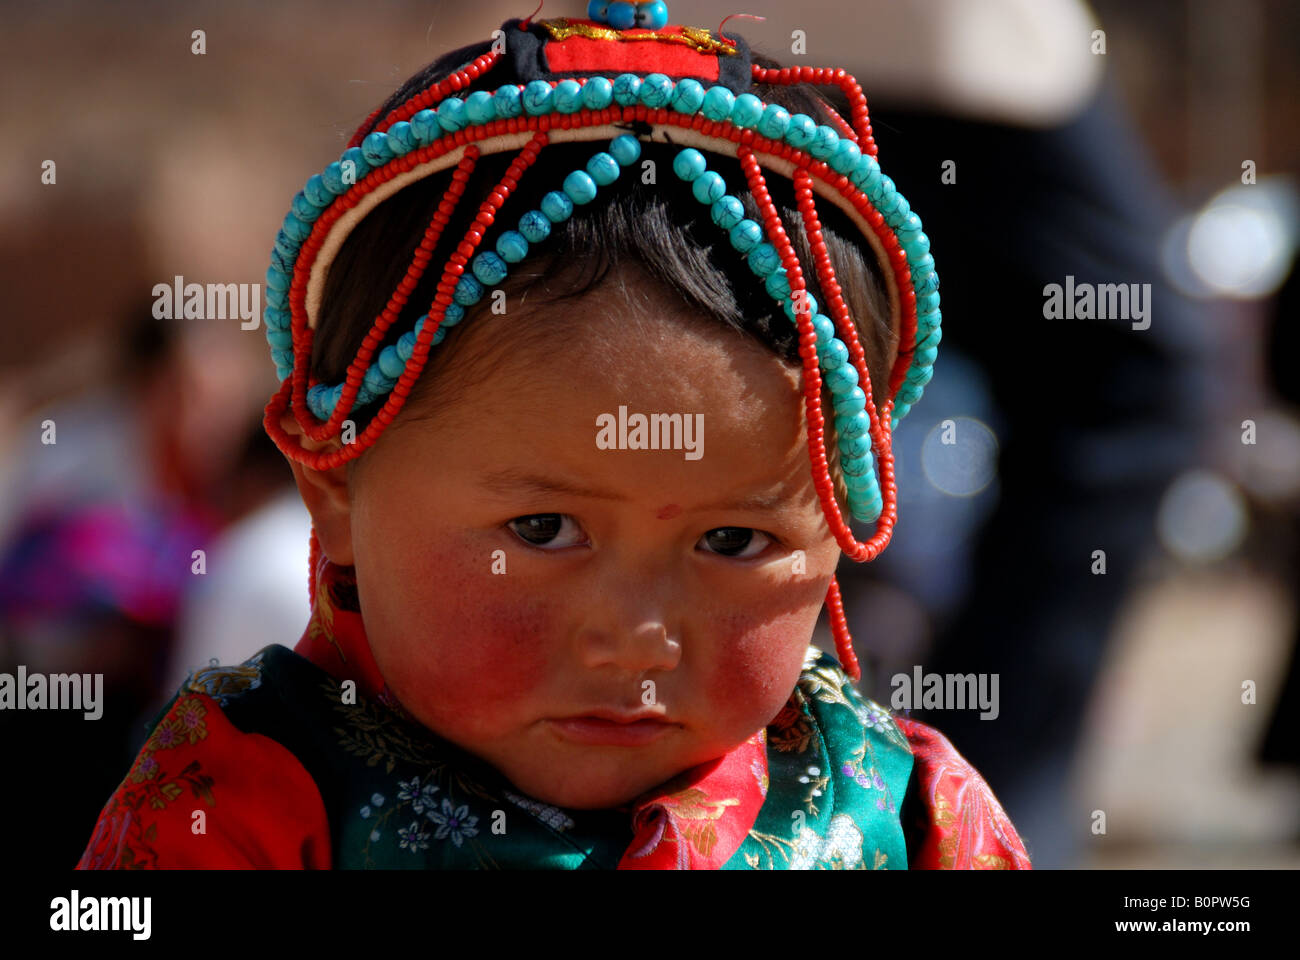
[(325, 494)]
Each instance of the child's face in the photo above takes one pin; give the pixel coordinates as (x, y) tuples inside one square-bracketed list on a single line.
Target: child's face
[(512, 573)]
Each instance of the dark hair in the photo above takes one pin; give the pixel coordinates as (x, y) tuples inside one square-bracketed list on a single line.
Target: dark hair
[(661, 225)]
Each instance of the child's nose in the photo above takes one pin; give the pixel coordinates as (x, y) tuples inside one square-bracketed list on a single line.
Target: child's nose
[(632, 647)]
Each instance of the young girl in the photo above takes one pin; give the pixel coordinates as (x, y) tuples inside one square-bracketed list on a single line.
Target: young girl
[(562, 606)]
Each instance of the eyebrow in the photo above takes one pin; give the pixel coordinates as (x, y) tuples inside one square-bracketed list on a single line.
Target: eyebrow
[(515, 481)]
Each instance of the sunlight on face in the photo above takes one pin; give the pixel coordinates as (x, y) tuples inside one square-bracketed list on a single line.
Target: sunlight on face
[(627, 580)]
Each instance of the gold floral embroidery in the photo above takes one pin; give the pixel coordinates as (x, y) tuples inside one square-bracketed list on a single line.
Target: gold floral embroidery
[(371, 733), (792, 730), (697, 38)]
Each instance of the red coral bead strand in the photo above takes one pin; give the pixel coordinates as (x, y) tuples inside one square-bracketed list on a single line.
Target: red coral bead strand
[(840, 631)]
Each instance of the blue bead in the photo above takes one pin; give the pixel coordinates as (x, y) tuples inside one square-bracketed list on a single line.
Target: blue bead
[(910, 227), (863, 484), (376, 150), (925, 357), (835, 354), (879, 190), (763, 259), (866, 175), (509, 101), (567, 96), (924, 304), (926, 284), (332, 178), (603, 168), (791, 308), (824, 328), (282, 358), (295, 228), (376, 382), (512, 246), (652, 16), (316, 192), (277, 299), (931, 339), (850, 403), (866, 515), (855, 448), (855, 426), (709, 187), (621, 15), (440, 334), (597, 93), (888, 205), (900, 411), (453, 315), (801, 131), (747, 110), (489, 268), (557, 206), (627, 89), (777, 285), (316, 397), (451, 115), (405, 346), (535, 225), (360, 165), (825, 140), (844, 159), (625, 148), (279, 339), (856, 466), (727, 211), (468, 290), (841, 380), (596, 10), (746, 235), (480, 108), (922, 265), (276, 318), (401, 138), (689, 164), (688, 95), (656, 90), (425, 128), (537, 98), (927, 326), (774, 122), (900, 212), (718, 102), (303, 209), (579, 187), (390, 364), (276, 280), (915, 245)]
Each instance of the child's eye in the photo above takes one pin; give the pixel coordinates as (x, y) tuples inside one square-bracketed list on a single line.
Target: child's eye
[(738, 542), (548, 530)]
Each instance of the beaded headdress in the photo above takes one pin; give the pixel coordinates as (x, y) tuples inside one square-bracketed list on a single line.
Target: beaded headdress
[(564, 79)]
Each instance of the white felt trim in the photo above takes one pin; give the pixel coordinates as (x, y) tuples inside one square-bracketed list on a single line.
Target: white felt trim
[(683, 136)]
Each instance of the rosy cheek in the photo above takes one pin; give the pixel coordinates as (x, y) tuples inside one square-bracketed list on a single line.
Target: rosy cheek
[(474, 652), (758, 662)]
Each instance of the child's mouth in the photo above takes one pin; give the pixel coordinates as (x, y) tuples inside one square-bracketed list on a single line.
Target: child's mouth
[(604, 731)]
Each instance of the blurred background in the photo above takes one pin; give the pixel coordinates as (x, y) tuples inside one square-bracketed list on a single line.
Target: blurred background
[(1112, 143)]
